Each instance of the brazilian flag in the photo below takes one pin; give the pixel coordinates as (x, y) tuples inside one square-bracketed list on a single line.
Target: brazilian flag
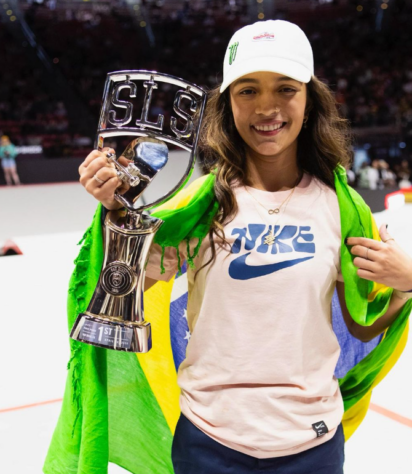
[(123, 408)]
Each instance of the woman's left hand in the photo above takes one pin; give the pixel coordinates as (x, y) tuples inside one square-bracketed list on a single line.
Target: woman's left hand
[(383, 262)]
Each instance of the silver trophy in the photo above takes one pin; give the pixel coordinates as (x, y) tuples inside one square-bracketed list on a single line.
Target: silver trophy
[(114, 318)]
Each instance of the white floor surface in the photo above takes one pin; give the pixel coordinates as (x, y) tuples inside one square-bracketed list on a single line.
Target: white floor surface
[(34, 349)]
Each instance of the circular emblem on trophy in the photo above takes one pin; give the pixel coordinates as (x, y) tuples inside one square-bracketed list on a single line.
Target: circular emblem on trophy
[(118, 279)]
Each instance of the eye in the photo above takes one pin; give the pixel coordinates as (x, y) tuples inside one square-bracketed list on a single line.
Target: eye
[(288, 90), (246, 92)]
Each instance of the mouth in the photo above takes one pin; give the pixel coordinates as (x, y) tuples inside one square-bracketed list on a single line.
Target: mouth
[(269, 130)]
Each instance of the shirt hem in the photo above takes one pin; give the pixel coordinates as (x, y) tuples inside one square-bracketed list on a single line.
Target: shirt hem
[(260, 454)]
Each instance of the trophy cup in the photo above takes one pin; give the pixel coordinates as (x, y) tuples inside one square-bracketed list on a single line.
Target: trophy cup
[(114, 318)]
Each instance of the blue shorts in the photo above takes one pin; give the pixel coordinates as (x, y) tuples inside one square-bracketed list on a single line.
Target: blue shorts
[(193, 452), (8, 163)]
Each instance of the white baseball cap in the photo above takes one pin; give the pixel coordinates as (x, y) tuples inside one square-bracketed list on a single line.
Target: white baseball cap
[(272, 45)]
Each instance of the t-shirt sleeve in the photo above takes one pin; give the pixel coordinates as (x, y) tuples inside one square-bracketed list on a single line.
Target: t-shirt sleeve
[(170, 262)]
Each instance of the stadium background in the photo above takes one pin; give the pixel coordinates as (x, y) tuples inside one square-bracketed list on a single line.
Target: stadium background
[(55, 55)]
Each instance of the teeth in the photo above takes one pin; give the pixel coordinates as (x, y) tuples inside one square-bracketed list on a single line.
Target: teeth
[(268, 128)]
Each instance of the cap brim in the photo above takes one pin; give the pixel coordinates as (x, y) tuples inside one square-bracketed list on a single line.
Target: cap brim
[(287, 67)]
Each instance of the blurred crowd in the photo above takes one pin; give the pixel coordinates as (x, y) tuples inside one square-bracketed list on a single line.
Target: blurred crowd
[(380, 175), (366, 62), (29, 113)]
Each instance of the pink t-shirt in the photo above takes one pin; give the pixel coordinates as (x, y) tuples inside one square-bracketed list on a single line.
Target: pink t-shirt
[(259, 370)]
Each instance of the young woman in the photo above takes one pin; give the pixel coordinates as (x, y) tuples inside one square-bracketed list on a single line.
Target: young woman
[(258, 391), (8, 161)]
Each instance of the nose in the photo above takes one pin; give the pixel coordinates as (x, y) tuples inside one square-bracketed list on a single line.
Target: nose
[(266, 104)]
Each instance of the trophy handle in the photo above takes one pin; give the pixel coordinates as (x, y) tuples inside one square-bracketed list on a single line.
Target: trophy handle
[(145, 157)]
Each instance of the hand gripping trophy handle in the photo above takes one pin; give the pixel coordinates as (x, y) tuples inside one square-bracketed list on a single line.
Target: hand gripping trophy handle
[(114, 318)]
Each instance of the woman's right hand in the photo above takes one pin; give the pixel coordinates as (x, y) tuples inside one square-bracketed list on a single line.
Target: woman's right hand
[(99, 178)]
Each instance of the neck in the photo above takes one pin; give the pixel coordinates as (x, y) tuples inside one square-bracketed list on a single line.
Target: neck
[(271, 174)]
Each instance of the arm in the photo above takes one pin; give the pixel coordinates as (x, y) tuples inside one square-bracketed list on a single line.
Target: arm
[(382, 262), (13, 152), (367, 333)]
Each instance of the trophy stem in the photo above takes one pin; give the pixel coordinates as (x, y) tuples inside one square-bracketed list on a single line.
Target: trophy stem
[(114, 318)]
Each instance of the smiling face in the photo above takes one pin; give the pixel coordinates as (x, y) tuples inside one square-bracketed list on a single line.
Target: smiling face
[(268, 110)]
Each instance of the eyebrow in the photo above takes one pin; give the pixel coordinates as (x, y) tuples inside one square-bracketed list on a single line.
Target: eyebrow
[(256, 81)]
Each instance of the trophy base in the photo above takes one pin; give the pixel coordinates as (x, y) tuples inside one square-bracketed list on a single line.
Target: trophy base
[(112, 334)]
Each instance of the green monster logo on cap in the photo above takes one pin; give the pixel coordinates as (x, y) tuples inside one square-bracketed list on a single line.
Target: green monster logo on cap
[(233, 51)]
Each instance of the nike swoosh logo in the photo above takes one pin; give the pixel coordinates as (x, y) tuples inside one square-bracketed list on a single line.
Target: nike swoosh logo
[(320, 426), (240, 270)]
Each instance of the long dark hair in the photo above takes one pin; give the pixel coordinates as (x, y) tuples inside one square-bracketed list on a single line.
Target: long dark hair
[(324, 143)]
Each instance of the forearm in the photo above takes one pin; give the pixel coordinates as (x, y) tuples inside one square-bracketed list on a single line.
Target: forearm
[(367, 333)]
